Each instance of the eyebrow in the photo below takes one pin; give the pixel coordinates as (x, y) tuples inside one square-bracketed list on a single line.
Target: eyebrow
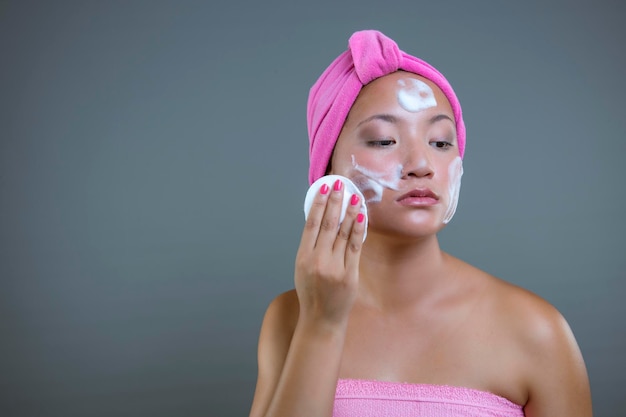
[(384, 117), (439, 117), (393, 119)]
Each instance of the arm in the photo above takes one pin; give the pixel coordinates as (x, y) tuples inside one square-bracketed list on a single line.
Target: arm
[(298, 364), (558, 384), (299, 358)]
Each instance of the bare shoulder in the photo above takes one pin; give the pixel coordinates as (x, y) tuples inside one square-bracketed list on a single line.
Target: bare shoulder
[(535, 322), (530, 316), (275, 337), (278, 326), (539, 339), (283, 310)]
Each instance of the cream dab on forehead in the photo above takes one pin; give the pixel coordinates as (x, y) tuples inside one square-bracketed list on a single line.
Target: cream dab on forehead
[(415, 95)]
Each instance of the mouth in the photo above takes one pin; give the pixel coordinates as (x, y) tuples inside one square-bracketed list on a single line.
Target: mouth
[(419, 197)]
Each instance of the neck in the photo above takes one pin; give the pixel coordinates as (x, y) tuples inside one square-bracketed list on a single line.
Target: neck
[(396, 275)]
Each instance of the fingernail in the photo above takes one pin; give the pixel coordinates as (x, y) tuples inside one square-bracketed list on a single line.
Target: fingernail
[(324, 189), (360, 217), (354, 200), (337, 186)]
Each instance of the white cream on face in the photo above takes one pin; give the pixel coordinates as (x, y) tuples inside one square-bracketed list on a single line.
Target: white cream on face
[(455, 172), (369, 180), (373, 182), (415, 95)]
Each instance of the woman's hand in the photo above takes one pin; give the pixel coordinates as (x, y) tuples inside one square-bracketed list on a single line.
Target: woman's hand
[(327, 262)]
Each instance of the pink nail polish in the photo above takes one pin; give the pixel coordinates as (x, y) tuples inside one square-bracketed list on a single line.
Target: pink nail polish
[(324, 189), (337, 186), (354, 200), (360, 217)]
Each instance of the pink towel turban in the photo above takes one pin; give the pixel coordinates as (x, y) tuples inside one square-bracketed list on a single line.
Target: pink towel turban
[(370, 55)]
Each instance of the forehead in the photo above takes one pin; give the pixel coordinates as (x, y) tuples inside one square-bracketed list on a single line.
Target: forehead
[(382, 93)]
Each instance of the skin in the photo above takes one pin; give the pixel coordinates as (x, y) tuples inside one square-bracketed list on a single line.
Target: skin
[(398, 308)]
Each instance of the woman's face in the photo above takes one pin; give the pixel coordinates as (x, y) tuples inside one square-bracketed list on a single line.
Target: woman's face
[(398, 145)]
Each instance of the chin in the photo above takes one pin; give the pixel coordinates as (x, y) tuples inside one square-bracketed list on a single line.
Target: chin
[(417, 223), (406, 230)]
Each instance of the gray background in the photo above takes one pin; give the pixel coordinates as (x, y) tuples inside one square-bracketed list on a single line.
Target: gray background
[(153, 164)]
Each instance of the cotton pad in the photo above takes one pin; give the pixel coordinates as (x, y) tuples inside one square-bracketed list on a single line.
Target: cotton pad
[(348, 189)]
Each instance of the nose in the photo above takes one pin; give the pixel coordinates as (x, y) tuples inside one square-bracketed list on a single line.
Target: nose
[(417, 162)]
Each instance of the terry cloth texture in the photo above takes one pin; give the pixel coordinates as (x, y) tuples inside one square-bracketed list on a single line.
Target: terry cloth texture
[(364, 398)]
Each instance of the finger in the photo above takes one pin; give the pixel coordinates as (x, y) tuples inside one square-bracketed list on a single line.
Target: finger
[(329, 225), (345, 229), (355, 243), (314, 218)]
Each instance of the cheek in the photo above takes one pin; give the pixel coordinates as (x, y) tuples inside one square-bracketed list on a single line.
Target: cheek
[(373, 173), (455, 172), (373, 161)]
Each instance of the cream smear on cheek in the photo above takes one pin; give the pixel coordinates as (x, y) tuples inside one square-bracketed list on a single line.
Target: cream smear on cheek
[(415, 95), (372, 182), (455, 172)]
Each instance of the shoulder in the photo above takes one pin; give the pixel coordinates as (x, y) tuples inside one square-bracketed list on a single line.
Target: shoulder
[(555, 373), (277, 330), (284, 309), (530, 316), (538, 338), (534, 322), (537, 325), (280, 319)]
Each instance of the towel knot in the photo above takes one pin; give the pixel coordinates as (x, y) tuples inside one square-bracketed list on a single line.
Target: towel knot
[(374, 55)]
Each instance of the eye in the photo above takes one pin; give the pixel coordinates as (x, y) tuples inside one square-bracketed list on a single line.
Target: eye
[(381, 143), (441, 144)]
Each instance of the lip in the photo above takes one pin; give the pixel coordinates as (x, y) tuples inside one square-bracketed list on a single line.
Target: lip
[(418, 197)]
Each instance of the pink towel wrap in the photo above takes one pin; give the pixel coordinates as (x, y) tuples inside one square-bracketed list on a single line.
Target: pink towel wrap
[(370, 55), (363, 398)]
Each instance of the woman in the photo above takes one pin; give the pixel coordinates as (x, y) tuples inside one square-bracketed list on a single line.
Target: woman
[(392, 325)]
